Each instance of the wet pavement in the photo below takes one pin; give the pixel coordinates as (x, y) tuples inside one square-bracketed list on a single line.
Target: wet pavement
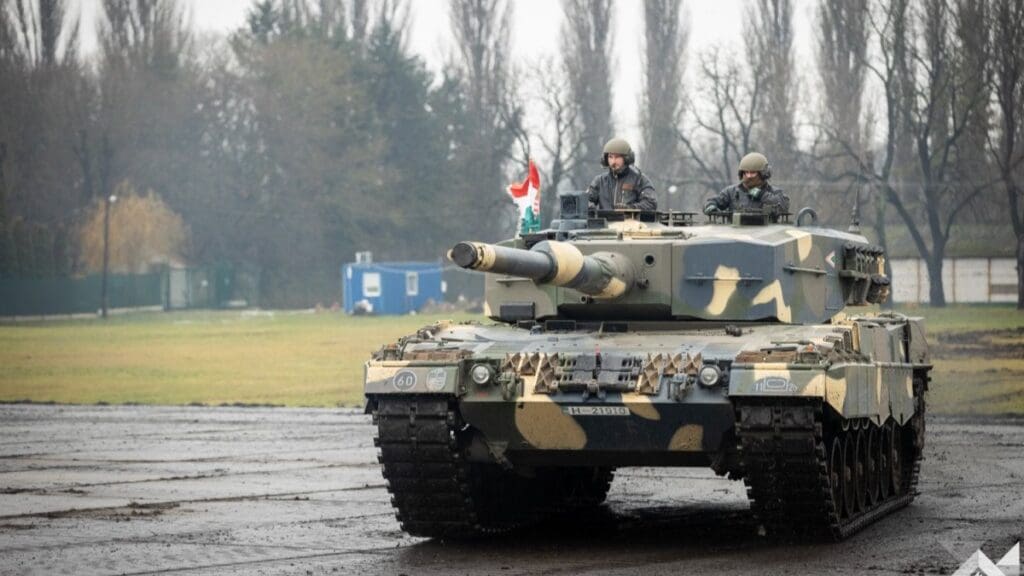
[(196, 490)]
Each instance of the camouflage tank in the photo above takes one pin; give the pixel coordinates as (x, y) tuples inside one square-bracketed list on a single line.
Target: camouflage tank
[(648, 339)]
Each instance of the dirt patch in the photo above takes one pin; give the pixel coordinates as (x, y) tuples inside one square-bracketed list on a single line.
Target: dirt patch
[(1008, 343), (14, 490), (16, 527), (119, 514)]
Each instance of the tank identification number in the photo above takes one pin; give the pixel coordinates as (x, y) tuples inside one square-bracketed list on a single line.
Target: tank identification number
[(404, 380), (436, 379), (595, 411)]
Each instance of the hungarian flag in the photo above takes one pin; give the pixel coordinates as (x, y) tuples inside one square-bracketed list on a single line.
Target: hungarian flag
[(527, 199)]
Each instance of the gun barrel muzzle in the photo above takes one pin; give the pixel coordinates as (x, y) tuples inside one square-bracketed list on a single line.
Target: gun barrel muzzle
[(503, 260)]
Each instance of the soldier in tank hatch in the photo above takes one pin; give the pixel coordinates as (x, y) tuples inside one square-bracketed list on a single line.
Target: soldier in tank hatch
[(753, 191), (622, 185)]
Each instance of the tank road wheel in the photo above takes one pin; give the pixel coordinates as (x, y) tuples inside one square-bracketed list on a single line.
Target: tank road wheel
[(884, 461), (812, 473), (849, 474), (872, 465), (860, 472), (836, 475), (896, 459)]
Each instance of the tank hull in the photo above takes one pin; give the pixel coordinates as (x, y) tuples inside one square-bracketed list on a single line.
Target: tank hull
[(767, 403)]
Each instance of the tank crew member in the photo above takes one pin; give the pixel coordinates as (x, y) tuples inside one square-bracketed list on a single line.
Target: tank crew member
[(623, 185), (753, 192)]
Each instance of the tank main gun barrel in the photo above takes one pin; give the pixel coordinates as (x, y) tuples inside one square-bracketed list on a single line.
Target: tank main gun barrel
[(603, 276), (502, 260)]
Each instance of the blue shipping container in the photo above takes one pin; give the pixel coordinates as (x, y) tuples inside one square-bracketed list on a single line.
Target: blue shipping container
[(391, 287)]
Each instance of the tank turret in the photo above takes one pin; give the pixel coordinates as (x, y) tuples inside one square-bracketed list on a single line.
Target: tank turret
[(635, 266)]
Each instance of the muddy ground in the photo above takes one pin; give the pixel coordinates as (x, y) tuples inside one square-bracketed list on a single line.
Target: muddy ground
[(142, 490)]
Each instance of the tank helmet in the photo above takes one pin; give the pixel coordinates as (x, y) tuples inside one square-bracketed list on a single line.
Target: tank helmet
[(617, 146), (755, 162)]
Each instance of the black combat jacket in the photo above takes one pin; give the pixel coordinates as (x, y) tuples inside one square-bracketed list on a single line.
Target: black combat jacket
[(628, 189), (737, 198)]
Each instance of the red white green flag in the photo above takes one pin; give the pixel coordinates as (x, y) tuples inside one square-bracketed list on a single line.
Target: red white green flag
[(527, 198)]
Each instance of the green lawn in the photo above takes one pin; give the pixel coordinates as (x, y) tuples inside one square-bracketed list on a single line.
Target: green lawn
[(962, 318), (978, 353), (285, 358), (302, 359)]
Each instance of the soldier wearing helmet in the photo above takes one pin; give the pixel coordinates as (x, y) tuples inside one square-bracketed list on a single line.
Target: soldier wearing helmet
[(752, 193), (623, 185)]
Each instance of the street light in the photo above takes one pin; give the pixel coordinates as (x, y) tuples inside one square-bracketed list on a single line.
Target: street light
[(106, 251), (671, 192)]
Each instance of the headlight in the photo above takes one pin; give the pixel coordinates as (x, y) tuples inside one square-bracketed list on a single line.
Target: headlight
[(481, 374), (709, 375)]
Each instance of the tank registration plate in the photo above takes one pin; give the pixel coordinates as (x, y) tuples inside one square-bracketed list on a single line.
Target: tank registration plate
[(596, 411), (404, 380)]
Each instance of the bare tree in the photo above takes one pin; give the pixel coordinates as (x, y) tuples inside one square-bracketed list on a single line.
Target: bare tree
[(842, 42), (928, 111), (722, 129), (664, 58), (149, 121), (949, 104), (1008, 147), (39, 75), (41, 32), (150, 34), (770, 30), (842, 50), (8, 34), (481, 31), (360, 19), (587, 53), (556, 130), (971, 62), (334, 20)]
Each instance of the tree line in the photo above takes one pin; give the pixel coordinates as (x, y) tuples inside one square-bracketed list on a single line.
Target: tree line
[(313, 131)]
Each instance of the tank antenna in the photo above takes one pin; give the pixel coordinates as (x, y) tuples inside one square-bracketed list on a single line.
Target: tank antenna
[(855, 215)]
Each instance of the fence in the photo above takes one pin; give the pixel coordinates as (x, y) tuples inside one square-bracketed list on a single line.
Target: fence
[(46, 296), (964, 280), (170, 288)]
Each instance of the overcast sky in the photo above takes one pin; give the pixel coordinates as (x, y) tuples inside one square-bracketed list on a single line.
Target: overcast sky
[(536, 25)]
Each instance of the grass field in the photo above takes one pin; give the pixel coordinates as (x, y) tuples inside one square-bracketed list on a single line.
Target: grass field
[(294, 359), (304, 359)]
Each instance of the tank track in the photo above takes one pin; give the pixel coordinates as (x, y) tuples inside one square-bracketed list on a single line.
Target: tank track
[(808, 476), (437, 493)]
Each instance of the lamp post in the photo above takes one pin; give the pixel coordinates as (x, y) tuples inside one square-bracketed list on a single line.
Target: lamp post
[(106, 252), (671, 192)]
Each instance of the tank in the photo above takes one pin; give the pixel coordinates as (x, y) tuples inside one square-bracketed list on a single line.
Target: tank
[(631, 338)]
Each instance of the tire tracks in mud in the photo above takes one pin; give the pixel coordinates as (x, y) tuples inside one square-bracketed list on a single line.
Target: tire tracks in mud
[(178, 503), (318, 505)]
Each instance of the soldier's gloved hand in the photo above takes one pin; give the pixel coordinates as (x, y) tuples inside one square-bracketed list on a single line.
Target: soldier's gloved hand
[(755, 193), (710, 209)]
